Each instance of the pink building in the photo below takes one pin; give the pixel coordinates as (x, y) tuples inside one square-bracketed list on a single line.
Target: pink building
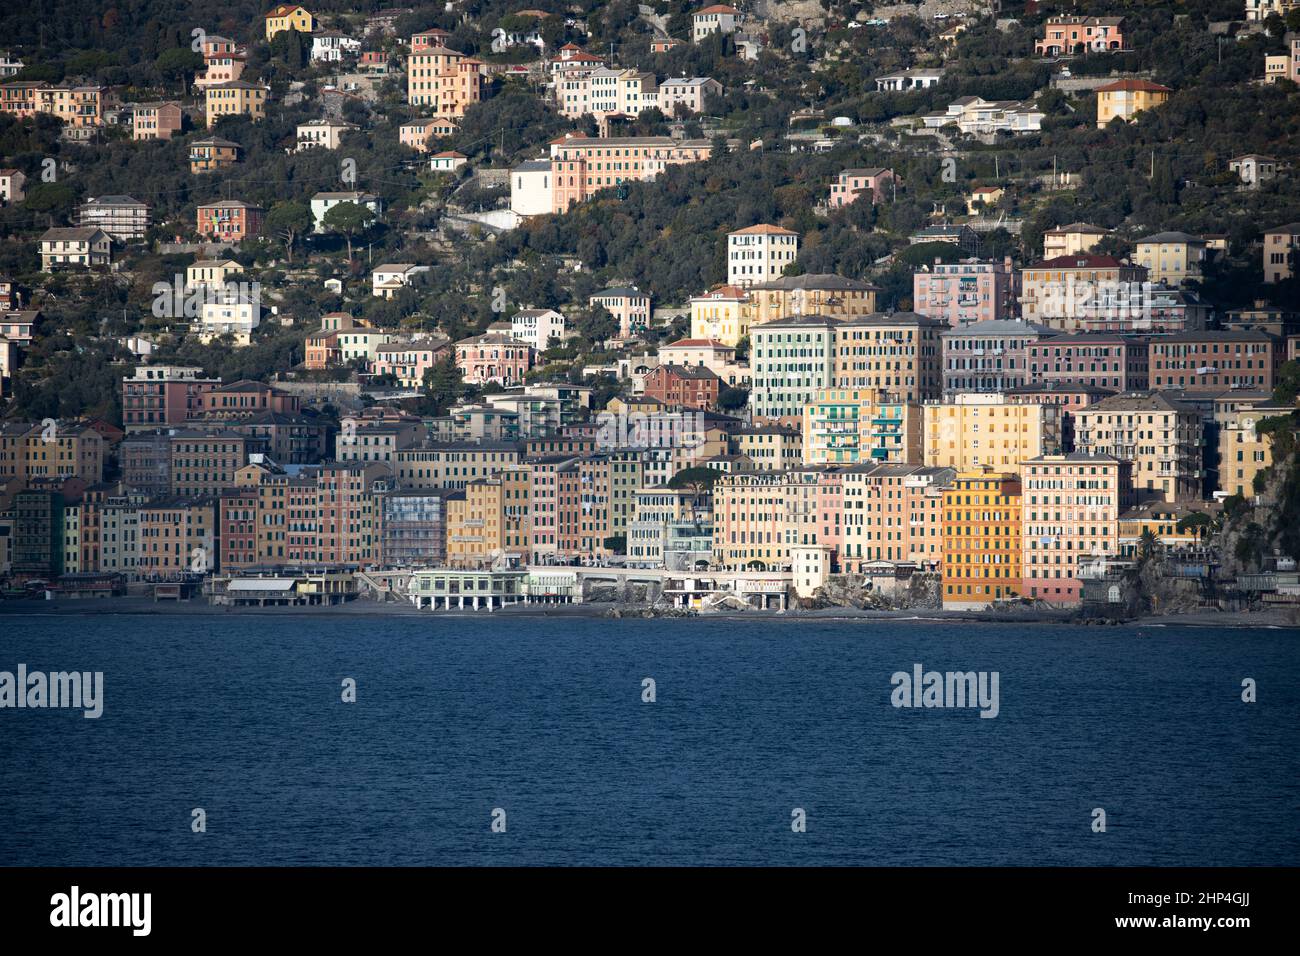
[(962, 293), (494, 357), (1064, 35), (1070, 513), (407, 362), (1104, 361), (629, 305), (582, 166), (223, 62), (852, 183)]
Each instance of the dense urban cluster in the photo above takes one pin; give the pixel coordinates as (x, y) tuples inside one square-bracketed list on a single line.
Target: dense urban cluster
[(469, 305)]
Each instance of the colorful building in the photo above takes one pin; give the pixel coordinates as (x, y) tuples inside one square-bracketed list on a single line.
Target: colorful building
[(1070, 507), (973, 430), (229, 220), (236, 98), (1162, 439), (849, 426), (1125, 99), (982, 512), (289, 16), (1214, 361), (966, 292)]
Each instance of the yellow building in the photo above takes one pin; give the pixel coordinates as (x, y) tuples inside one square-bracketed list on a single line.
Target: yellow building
[(1170, 257), (1072, 239), (234, 99), (1243, 452), (178, 536), (769, 447), (832, 296), (983, 197), (1127, 98), (51, 450), (721, 314), (288, 16), (491, 521), (1161, 519), (978, 430), (852, 426), (899, 353), (981, 539)]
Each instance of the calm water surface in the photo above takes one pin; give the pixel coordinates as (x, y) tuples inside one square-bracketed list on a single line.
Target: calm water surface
[(241, 715)]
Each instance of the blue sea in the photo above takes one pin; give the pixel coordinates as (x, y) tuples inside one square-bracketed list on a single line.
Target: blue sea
[(541, 723)]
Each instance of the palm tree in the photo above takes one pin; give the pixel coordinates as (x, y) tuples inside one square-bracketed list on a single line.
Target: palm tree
[(1147, 544)]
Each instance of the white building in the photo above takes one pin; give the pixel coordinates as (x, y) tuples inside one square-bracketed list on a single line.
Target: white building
[(387, 279), (447, 162), (329, 46), (759, 254), (211, 272), (538, 327), (530, 188), (232, 315), (974, 115), (917, 79), (321, 203), (718, 18), (325, 133)]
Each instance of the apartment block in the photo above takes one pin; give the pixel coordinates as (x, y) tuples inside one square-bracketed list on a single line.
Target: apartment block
[(898, 353), (121, 217), (1162, 439), (1074, 293), (989, 356), (446, 82), (236, 98), (177, 537), (849, 426), (792, 360), (158, 395), (1070, 506), (980, 429), (982, 513), (832, 296), (347, 515), (582, 166), (759, 254), (156, 120), (1214, 361), (893, 513), (1118, 362), (229, 220), (966, 292)]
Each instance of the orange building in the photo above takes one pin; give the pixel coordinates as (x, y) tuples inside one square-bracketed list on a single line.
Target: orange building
[(212, 153), (981, 539), (446, 81)]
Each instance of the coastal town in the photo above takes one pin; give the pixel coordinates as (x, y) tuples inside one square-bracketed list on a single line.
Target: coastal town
[(959, 306)]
